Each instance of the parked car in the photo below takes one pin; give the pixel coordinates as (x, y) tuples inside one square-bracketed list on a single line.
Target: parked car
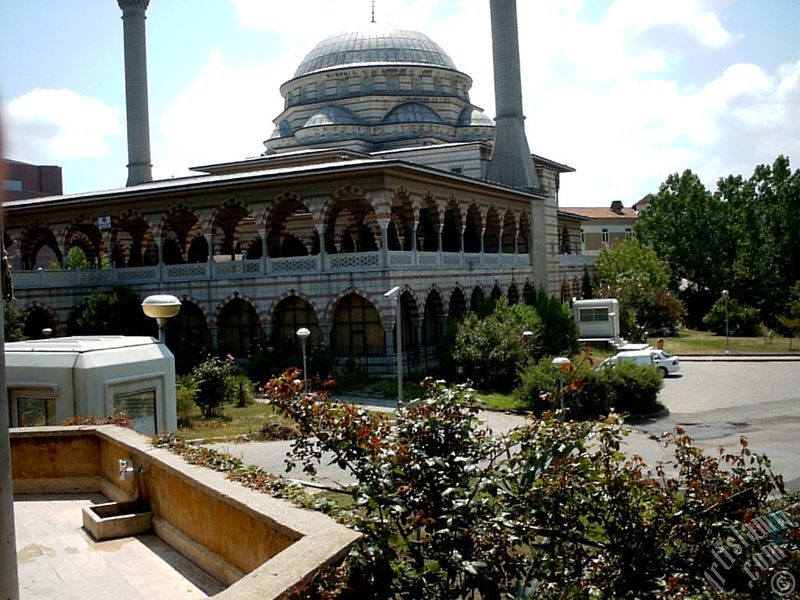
[(666, 363)]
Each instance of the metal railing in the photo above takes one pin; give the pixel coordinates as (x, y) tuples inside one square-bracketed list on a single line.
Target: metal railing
[(334, 263)]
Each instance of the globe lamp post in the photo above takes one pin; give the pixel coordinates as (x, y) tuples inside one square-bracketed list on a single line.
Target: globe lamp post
[(560, 362), (303, 334), (161, 307), (394, 295), (725, 296)]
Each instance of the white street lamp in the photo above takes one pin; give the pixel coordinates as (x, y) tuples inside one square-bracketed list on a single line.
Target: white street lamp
[(394, 295), (527, 336), (303, 334), (560, 362), (161, 307), (725, 296)]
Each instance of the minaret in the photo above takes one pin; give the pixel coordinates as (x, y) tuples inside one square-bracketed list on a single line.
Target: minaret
[(511, 163), (133, 18)]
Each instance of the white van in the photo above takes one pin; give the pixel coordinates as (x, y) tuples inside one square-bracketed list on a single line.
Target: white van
[(664, 362), (639, 357)]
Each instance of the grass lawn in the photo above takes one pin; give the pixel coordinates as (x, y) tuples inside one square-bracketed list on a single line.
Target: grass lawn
[(703, 342), (235, 422), (498, 401)]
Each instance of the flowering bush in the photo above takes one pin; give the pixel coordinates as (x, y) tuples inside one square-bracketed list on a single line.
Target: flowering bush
[(552, 509)]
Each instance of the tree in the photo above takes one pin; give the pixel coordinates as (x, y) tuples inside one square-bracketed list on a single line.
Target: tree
[(552, 509), (559, 330), (764, 212), (688, 227), (488, 351), (13, 326), (587, 289), (116, 312), (635, 275), (791, 318)]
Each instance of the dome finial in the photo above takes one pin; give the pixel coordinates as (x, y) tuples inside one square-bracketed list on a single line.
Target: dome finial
[(373, 11)]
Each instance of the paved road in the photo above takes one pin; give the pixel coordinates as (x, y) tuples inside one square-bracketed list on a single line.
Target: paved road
[(716, 402)]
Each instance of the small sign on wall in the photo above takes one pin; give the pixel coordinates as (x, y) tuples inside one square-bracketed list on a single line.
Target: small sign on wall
[(104, 223)]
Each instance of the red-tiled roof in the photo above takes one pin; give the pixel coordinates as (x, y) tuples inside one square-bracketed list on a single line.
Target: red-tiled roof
[(601, 212)]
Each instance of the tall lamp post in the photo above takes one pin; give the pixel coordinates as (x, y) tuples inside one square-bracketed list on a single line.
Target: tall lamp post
[(560, 362), (725, 296), (394, 295), (161, 307), (527, 336), (303, 334)]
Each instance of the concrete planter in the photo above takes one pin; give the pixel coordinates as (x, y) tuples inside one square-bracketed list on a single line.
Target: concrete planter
[(117, 519)]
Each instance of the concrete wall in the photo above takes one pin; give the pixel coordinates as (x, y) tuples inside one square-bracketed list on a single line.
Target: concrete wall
[(258, 545)]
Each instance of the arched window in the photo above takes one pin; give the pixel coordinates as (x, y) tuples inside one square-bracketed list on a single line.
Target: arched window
[(188, 337), (240, 331), (290, 315), (357, 328)]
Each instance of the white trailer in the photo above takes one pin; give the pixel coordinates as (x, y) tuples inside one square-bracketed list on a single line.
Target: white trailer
[(52, 380), (598, 320)]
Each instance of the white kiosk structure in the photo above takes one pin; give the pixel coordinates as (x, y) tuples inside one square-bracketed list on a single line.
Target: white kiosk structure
[(52, 380), (597, 320)]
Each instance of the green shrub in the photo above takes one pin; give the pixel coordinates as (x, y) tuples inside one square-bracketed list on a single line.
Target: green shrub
[(185, 399), (548, 510), (589, 393), (634, 388), (559, 330), (241, 390), (212, 384), (586, 392), (742, 320), (488, 351)]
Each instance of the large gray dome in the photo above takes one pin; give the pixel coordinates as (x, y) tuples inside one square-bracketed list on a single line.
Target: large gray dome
[(374, 44)]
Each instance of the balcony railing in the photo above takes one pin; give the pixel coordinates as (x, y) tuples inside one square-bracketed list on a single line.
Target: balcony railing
[(238, 269)]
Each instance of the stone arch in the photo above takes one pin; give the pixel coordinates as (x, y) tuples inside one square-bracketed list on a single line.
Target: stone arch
[(233, 229), (289, 313), (457, 305), (290, 228), (473, 225), (491, 234), (512, 294), (37, 317), (523, 234), (239, 327), (357, 326), (178, 230), (433, 318), (131, 242), (188, 335), (428, 227), (451, 227), (509, 232), (84, 233), (477, 297), (496, 293), (401, 222), (350, 222), (36, 236)]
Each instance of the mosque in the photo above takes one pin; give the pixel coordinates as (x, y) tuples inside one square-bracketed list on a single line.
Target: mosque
[(380, 173)]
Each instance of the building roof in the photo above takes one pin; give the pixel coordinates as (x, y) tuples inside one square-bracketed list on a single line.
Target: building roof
[(79, 344), (374, 43), (262, 176), (601, 212)]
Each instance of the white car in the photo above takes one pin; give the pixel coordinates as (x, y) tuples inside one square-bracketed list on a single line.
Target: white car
[(666, 363)]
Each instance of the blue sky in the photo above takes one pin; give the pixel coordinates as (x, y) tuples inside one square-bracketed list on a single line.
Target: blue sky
[(625, 91)]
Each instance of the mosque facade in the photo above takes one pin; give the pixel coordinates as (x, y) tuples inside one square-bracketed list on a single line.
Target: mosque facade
[(375, 176)]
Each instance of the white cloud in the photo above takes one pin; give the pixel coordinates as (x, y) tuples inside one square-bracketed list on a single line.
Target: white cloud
[(222, 115), (46, 125), (599, 94)]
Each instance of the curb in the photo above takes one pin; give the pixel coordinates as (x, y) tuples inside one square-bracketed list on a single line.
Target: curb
[(739, 357)]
